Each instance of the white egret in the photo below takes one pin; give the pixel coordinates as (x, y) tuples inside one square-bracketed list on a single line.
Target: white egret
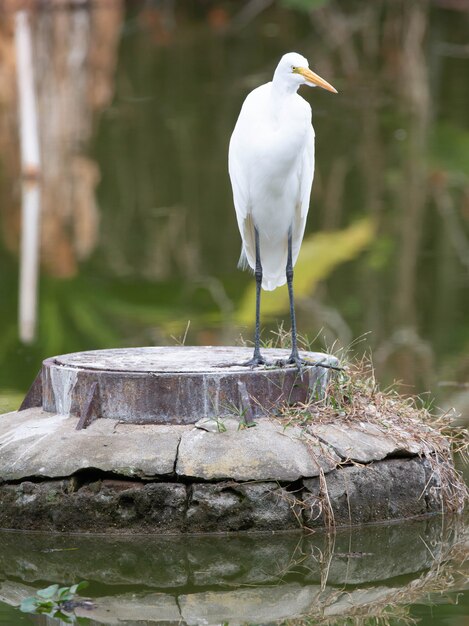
[(271, 166)]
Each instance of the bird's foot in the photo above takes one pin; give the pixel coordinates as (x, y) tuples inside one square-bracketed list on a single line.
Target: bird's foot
[(256, 361), (294, 359)]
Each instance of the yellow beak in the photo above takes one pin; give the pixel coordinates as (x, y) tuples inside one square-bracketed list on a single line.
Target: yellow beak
[(314, 78)]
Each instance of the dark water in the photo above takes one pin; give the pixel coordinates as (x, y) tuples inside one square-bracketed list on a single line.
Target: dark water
[(375, 575), (139, 238)]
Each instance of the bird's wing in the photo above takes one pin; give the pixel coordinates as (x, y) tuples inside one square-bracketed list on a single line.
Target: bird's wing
[(306, 173), (238, 180), (305, 179), (240, 187)]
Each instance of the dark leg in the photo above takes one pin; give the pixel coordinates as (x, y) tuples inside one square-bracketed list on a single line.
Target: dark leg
[(294, 356), (257, 359)]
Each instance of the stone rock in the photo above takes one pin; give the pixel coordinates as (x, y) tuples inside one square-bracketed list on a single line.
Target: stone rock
[(36, 443), (53, 506), (266, 451), (367, 442), (392, 489), (218, 425), (157, 478), (228, 506)]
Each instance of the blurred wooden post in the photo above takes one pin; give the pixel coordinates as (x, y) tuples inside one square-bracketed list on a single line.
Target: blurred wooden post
[(30, 165)]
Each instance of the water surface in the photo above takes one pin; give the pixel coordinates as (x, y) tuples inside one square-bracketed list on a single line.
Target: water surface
[(395, 572)]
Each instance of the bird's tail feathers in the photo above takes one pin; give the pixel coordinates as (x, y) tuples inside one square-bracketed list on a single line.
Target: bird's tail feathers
[(269, 281), (243, 263)]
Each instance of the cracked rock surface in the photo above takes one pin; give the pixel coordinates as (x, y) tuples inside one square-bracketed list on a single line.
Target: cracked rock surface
[(214, 476), (264, 452), (34, 443)]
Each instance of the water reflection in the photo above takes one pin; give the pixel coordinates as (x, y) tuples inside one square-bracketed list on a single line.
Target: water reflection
[(136, 103), (375, 571)]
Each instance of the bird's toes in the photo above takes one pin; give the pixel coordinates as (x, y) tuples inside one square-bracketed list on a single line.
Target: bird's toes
[(281, 362), (295, 359), (292, 360), (255, 362)]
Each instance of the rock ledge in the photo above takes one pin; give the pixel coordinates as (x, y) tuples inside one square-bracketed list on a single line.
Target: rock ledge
[(212, 476)]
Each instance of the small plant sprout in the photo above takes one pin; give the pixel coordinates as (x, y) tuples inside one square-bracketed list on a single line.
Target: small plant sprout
[(221, 428)]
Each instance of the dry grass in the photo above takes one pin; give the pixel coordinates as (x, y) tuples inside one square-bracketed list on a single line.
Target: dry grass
[(353, 398)]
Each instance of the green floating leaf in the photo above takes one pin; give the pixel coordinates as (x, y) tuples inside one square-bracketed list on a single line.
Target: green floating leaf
[(29, 605), (78, 587), (65, 593), (48, 592), (47, 607), (64, 617), (52, 600), (320, 254)]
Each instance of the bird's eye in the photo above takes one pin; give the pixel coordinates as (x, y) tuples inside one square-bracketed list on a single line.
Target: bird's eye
[(293, 68)]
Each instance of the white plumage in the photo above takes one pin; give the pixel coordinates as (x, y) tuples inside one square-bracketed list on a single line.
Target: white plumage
[(271, 166)]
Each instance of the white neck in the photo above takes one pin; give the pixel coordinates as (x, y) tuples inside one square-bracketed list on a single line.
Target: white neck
[(283, 85)]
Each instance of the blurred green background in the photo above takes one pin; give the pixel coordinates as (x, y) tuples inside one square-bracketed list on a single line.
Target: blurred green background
[(139, 243)]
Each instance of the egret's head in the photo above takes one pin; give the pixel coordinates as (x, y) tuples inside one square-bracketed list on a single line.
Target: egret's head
[(294, 69)]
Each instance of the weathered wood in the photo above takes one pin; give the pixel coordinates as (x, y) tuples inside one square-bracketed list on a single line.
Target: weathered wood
[(177, 385)]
